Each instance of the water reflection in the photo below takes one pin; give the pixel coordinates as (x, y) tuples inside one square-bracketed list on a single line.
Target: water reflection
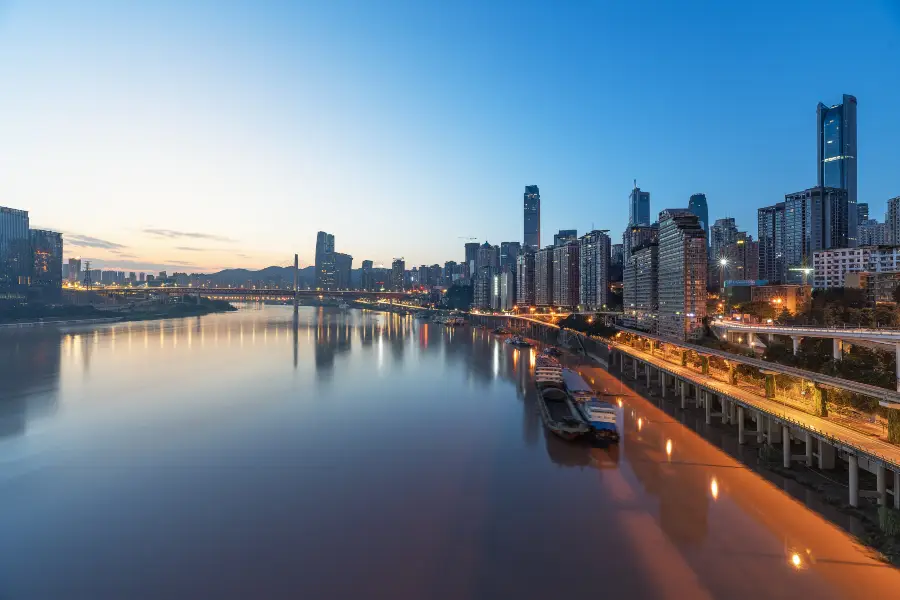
[(29, 377)]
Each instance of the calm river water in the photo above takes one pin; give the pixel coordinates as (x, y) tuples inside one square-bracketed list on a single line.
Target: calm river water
[(367, 455)]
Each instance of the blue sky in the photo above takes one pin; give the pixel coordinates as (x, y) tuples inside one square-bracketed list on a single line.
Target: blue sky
[(199, 135)]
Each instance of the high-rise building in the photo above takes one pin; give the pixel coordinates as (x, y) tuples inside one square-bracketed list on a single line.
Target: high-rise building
[(682, 274), (143, 276), (343, 267), (532, 206), (742, 258), (617, 255), (697, 205), (872, 233), (483, 287), (770, 235), (488, 256), (836, 146), (640, 293), (543, 277), (566, 274), (471, 258), (565, 236), (636, 236), (398, 272), (509, 252), (46, 273), (15, 255), (507, 296), (451, 273), (721, 234), (815, 219), (862, 213), (367, 276), (525, 278), (326, 276), (892, 220), (594, 270), (75, 270), (638, 207)]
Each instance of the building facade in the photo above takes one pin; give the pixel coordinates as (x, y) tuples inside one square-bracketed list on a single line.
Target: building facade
[(872, 233), (525, 278), (638, 207), (543, 277), (815, 219), (46, 272), (566, 274), (836, 147), (682, 275), (532, 209), (564, 236), (594, 270), (892, 220), (343, 267), (833, 266), (326, 276), (398, 274), (509, 252), (770, 235), (471, 258), (15, 255), (697, 205), (367, 276), (641, 292)]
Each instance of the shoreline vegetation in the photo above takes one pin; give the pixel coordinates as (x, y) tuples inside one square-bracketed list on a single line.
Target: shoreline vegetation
[(44, 315)]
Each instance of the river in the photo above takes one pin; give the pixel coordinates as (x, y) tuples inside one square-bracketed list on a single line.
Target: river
[(361, 454)]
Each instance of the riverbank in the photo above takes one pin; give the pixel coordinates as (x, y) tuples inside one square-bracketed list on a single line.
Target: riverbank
[(89, 315)]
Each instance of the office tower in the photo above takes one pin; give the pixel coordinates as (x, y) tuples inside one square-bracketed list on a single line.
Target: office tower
[(565, 236), (594, 270), (471, 258), (488, 256), (525, 279), (326, 277), (638, 207), (770, 235), (435, 276), (451, 273), (507, 297), (640, 293), (65, 271), (343, 267), (722, 233), (162, 275), (743, 260), (862, 213), (367, 276), (150, 277), (892, 220), (697, 205), (815, 219), (414, 276), (46, 272), (636, 236), (132, 276), (74, 269), (398, 272), (143, 276), (107, 277), (483, 286), (509, 252), (616, 255), (566, 274), (543, 277), (872, 233), (682, 275), (15, 254), (532, 205), (836, 146)]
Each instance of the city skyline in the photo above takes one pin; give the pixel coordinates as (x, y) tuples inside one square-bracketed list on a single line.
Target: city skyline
[(253, 124)]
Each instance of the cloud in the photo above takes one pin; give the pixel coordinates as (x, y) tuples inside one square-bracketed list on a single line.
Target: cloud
[(170, 233), (140, 265), (85, 241), (191, 249)]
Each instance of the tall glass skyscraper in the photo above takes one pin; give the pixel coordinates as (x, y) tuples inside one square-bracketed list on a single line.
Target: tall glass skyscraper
[(638, 207), (15, 254), (770, 234), (836, 145), (532, 206), (47, 250), (697, 205), (326, 274)]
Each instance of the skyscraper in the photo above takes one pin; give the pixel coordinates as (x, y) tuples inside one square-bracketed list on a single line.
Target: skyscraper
[(682, 274), (509, 252), (836, 146), (862, 212), (638, 207), (326, 277), (543, 277), (697, 205), (594, 270), (617, 255), (47, 250), (814, 219), (488, 256), (471, 258), (367, 275), (770, 235), (507, 297), (721, 234), (451, 273), (532, 205), (565, 236), (398, 268), (343, 266), (15, 254), (75, 270), (525, 277), (892, 220), (567, 274), (743, 259)]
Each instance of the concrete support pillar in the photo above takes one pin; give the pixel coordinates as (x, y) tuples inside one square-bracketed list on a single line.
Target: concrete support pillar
[(786, 446), (796, 340), (647, 373), (759, 427), (770, 386), (827, 455), (897, 490), (751, 339), (662, 382), (740, 424), (683, 395), (881, 484), (771, 338), (707, 404), (704, 364), (635, 369), (897, 356), (770, 431), (725, 409), (854, 481), (809, 449), (838, 346), (296, 281)]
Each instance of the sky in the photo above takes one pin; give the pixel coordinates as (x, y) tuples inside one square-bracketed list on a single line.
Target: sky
[(202, 135)]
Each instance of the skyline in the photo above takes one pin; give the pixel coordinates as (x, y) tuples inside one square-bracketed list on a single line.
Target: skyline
[(203, 137)]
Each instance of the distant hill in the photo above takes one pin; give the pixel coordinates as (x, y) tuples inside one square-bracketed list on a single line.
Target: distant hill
[(270, 275)]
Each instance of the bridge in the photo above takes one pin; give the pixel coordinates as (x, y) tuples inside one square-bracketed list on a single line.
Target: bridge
[(248, 292)]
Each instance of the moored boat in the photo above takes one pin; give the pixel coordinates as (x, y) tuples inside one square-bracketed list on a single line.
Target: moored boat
[(598, 414), (517, 341), (559, 415)]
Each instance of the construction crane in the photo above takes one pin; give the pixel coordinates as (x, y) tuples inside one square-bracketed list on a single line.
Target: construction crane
[(466, 237)]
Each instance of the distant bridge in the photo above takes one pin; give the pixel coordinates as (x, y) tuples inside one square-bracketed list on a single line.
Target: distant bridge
[(247, 292)]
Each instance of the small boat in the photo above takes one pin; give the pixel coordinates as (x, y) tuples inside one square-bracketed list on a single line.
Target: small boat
[(599, 415), (517, 341), (500, 331), (559, 415)]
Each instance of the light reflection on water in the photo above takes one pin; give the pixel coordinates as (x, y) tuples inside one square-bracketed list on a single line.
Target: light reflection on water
[(359, 454)]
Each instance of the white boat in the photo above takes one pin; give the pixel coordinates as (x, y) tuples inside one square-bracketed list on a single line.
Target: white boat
[(517, 341), (598, 414)]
